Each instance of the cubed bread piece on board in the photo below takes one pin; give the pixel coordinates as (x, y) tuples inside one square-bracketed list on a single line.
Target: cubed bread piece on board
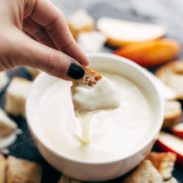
[(145, 173), (172, 114), (2, 169), (7, 125), (23, 171), (80, 21), (163, 162), (65, 179), (16, 95), (33, 72), (3, 80), (172, 75)]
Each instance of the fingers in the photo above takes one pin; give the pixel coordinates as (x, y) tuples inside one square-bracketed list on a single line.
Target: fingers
[(47, 15), (36, 31), (54, 62)]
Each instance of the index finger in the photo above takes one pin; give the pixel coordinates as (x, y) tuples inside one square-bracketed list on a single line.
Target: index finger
[(52, 19)]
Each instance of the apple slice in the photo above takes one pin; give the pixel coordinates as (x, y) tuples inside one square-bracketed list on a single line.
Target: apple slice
[(120, 32), (170, 143), (178, 130)]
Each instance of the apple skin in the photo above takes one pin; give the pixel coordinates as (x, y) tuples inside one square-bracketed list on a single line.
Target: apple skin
[(178, 130), (163, 146), (150, 54)]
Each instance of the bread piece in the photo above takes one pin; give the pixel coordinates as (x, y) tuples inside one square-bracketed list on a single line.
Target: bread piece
[(145, 173), (166, 92), (3, 80), (33, 72), (163, 162), (172, 114), (172, 75), (23, 171), (16, 95), (90, 78), (2, 169), (7, 125), (65, 179), (79, 22), (91, 41), (172, 180), (121, 32)]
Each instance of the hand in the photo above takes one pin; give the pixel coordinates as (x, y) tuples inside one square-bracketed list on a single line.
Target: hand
[(35, 33)]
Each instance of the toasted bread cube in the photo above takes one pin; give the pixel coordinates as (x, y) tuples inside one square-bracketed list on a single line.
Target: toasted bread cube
[(23, 171), (163, 162), (16, 95), (172, 114), (145, 173), (65, 179), (90, 78), (2, 169), (3, 80), (7, 125), (79, 22), (171, 75)]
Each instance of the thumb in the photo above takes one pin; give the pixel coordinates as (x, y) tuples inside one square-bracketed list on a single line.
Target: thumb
[(50, 60)]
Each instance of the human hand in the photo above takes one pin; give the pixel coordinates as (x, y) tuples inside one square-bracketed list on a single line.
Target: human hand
[(53, 48)]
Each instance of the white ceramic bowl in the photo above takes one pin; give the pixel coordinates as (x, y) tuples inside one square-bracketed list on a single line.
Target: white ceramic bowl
[(111, 169)]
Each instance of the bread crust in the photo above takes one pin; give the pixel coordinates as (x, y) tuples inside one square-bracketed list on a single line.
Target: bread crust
[(91, 77), (7, 125)]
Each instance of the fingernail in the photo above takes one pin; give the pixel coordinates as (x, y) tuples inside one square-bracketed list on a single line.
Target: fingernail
[(75, 71)]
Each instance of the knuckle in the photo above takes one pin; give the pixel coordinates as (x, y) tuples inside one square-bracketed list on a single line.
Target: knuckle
[(53, 64), (29, 7), (50, 27), (39, 35)]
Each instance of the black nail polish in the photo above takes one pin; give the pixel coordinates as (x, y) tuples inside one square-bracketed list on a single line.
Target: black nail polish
[(75, 71)]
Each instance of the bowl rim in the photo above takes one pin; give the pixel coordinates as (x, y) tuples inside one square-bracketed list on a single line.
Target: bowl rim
[(132, 153)]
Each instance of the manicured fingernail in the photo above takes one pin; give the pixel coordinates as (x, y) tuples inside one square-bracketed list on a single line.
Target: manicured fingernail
[(75, 71)]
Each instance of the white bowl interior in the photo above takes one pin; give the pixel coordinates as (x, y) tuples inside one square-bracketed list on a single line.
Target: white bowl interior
[(105, 62)]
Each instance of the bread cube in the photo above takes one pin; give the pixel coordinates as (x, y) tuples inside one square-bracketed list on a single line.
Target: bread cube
[(23, 171), (16, 95), (145, 173), (172, 114), (79, 22), (163, 162), (2, 169), (7, 125)]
